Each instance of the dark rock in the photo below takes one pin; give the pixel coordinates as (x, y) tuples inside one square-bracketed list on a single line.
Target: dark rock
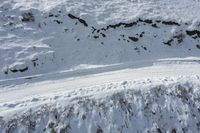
[(140, 20), (159, 130), (198, 46), (27, 17), (154, 25), (173, 130), (179, 37), (24, 69), (127, 25), (83, 22), (6, 72), (170, 23), (79, 19), (57, 15), (83, 117), (169, 42), (93, 29), (148, 21), (51, 15), (51, 125), (103, 29), (134, 39), (144, 47), (96, 37), (58, 21), (14, 70), (193, 32), (72, 16), (103, 35), (99, 130)]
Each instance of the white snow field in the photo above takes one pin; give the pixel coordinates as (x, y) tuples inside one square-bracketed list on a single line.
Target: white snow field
[(99, 66)]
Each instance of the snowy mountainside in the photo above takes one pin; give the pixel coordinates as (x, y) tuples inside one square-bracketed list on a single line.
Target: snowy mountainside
[(157, 105), (55, 35), (99, 66)]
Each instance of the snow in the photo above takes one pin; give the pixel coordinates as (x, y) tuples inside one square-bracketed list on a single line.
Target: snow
[(109, 11), (50, 40), (139, 106), (99, 66), (58, 83), (39, 96)]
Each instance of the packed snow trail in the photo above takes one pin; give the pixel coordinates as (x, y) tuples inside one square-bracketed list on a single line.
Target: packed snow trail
[(47, 87)]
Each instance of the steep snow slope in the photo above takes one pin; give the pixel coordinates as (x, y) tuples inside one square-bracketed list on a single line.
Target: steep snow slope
[(47, 35), (157, 105)]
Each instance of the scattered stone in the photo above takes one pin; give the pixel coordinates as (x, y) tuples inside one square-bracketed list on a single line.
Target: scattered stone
[(134, 39), (27, 17), (24, 69), (193, 32), (58, 21), (169, 42), (198, 46), (79, 19), (51, 15), (154, 25)]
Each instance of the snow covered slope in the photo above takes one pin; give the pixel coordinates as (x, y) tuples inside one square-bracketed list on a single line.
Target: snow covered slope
[(167, 104), (158, 98), (42, 36), (103, 66)]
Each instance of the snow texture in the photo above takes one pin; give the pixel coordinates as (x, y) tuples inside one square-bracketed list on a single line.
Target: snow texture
[(80, 66), (41, 36), (151, 105)]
